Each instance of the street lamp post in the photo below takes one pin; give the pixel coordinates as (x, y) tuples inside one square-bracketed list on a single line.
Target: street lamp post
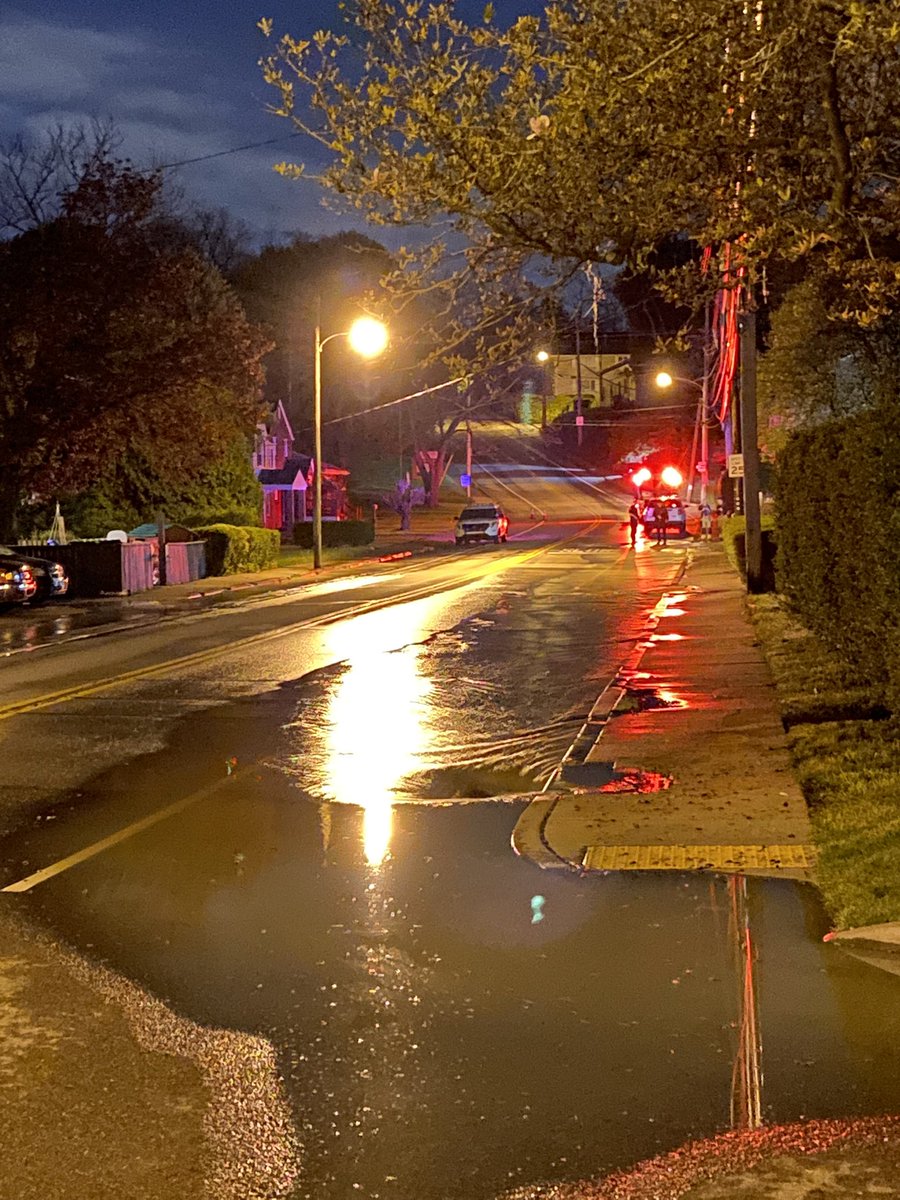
[(665, 380), (367, 337), (543, 358), (579, 416)]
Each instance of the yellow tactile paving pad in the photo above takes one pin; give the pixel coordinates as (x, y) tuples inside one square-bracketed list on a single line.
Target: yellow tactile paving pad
[(694, 858)]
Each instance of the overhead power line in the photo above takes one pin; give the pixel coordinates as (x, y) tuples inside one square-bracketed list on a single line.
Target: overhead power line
[(184, 162)]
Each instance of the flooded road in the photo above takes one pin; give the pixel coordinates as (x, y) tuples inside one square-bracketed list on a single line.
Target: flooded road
[(436, 1041), (450, 1022)]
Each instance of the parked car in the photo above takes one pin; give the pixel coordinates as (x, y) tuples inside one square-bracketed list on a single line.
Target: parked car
[(481, 523), (49, 577), (17, 583), (677, 518)]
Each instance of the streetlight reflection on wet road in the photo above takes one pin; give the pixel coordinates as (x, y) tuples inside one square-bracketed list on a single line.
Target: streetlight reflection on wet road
[(376, 727)]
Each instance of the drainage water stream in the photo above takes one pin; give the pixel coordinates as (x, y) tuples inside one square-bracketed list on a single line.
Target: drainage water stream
[(451, 1023)]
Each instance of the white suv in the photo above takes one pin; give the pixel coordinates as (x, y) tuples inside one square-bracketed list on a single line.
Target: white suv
[(481, 523)]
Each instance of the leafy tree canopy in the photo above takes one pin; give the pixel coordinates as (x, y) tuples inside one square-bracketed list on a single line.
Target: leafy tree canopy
[(115, 342), (816, 369), (133, 490), (596, 131), (283, 288)]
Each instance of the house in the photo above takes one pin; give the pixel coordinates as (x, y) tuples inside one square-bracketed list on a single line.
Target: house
[(288, 478), (607, 380)]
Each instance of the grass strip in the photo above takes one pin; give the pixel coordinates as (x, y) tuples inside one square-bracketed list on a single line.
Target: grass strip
[(846, 749)]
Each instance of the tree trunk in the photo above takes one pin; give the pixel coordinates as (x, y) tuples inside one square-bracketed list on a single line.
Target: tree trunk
[(10, 495), (432, 472)]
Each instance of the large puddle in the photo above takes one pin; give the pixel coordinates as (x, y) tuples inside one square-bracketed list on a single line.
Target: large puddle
[(451, 1022)]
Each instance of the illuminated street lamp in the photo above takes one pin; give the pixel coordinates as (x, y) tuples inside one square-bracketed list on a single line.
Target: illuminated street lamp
[(367, 338), (665, 380), (543, 358)]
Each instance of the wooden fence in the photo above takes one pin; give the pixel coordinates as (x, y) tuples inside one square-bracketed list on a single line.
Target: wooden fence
[(111, 568)]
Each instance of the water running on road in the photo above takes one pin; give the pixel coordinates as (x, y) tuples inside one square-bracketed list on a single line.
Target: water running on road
[(437, 1041)]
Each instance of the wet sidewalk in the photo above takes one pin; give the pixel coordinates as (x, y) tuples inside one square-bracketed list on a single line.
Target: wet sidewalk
[(683, 763)]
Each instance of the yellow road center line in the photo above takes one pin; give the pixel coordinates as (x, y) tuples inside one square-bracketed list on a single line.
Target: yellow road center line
[(136, 827), (81, 691), (114, 839)]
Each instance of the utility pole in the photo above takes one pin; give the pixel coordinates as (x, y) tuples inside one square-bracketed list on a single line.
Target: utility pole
[(689, 482), (468, 450), (704, 400), (579, 419), (317, 421), (750, 450)]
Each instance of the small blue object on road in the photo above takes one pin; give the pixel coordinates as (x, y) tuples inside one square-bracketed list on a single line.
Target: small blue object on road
[(537, 909)]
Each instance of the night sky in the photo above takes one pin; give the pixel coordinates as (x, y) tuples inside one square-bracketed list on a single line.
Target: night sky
[(180, 80)]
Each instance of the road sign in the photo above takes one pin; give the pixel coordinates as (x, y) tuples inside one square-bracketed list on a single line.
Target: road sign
[(465, 480), (735, 466)]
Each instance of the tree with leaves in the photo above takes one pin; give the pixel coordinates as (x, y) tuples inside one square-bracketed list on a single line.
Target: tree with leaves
[(597, 130), (816, 369), (114, 343), (284, 288)]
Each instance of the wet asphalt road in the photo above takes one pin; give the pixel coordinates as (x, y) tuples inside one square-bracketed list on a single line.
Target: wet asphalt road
[(449, 1021)]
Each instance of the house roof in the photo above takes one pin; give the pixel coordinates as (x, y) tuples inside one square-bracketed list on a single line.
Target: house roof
[(295, 466), (279, 425)]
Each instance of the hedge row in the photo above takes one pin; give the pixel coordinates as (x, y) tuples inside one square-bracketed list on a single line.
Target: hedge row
[(336, 533), (838, 505), (235, 549)]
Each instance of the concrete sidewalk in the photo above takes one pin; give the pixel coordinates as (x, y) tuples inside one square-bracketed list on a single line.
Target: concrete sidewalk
[(683, 763)]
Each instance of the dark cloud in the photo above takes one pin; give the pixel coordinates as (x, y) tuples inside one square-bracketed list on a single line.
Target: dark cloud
[(172, 99)]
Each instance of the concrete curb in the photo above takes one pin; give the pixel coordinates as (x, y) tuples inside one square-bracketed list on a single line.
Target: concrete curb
[(877, 945), (528, 837), (603, 817)]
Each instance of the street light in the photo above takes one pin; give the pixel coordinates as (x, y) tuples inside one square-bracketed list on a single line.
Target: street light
[(543, 358), (665, 380), (368, 338)]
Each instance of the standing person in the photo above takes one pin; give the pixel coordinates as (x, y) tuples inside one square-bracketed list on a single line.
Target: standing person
[(634, 516), (661, 520), (705, 522)]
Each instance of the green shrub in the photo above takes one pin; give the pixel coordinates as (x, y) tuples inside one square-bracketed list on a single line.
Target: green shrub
[(838, 563), (236, 549), (336, 533)]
